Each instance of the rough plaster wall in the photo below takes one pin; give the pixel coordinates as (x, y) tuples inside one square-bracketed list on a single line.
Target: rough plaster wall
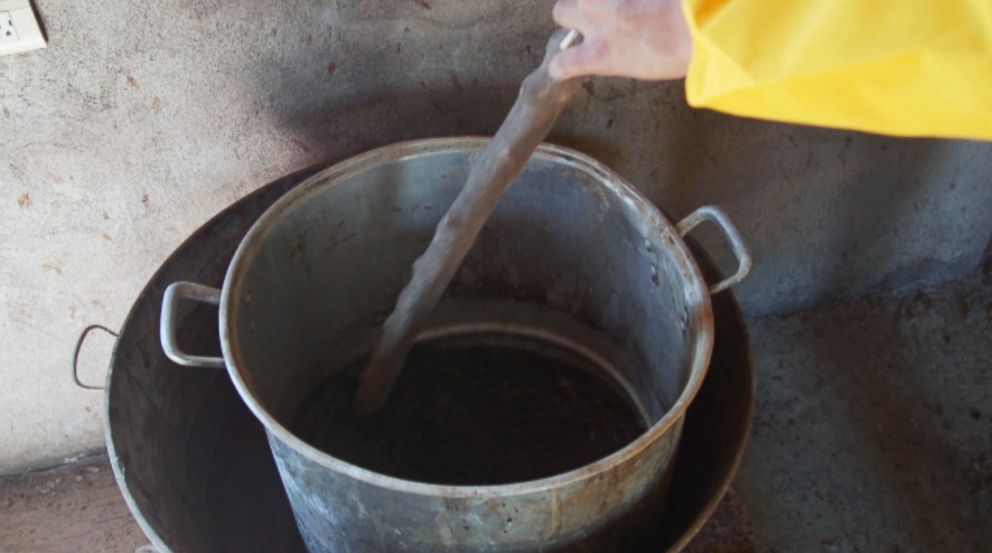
[(142, 119)]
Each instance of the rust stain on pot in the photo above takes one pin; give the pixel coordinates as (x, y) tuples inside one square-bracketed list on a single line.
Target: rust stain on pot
[(295, 250), (301, 145), (298, 248), (337, 241)]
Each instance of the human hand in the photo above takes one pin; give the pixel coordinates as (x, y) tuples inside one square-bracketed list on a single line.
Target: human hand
[(644, 39)]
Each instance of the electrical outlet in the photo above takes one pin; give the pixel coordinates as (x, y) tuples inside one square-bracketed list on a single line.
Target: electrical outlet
[(7, 31), (19, 30)]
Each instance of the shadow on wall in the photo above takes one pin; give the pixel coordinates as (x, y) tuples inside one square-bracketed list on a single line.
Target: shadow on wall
[(375, 73), (828, 214)]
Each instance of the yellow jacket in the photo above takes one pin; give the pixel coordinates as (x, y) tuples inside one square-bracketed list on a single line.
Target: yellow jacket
[(901, 67)]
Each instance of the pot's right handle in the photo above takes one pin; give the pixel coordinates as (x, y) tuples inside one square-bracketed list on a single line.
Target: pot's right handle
[(176, 292), (718, 217)]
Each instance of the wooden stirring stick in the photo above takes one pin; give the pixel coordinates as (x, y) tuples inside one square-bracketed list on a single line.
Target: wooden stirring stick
[(540, 102)]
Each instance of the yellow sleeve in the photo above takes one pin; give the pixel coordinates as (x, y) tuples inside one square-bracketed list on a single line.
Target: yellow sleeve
[(900, 67)]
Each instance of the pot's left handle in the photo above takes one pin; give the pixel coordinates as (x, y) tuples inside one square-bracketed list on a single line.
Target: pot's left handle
[(176, 292), (717, 216)]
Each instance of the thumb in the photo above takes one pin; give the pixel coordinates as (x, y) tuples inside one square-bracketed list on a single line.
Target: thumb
[(578, 61)]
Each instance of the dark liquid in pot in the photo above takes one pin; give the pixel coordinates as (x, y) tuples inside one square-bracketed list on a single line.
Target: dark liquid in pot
[(465, 413)]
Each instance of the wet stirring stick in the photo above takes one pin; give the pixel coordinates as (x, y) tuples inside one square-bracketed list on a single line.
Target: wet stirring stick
[(538, 106)]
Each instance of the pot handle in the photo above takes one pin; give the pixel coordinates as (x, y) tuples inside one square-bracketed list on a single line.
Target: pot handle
[(176, 292), (718, 217)]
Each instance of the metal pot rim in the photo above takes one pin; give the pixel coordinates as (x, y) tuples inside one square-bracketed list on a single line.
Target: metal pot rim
[(691, 273)]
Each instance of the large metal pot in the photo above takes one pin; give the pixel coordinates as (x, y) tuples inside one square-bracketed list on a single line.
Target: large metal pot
[(573, 256)]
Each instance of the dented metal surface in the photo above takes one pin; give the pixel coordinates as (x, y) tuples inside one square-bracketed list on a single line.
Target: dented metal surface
[(312, 280)]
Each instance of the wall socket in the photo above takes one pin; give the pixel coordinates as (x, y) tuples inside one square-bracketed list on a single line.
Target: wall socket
[(8, 33), (19, 29)]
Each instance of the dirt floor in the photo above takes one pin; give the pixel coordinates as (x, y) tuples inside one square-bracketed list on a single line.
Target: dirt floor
[(74, 508), (873, 427)]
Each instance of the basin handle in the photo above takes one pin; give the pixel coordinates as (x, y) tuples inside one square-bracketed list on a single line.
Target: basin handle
[(176, 292), (75, 355), (718, 217)]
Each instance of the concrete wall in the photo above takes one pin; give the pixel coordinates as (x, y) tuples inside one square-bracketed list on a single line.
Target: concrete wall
[(142, 119)]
